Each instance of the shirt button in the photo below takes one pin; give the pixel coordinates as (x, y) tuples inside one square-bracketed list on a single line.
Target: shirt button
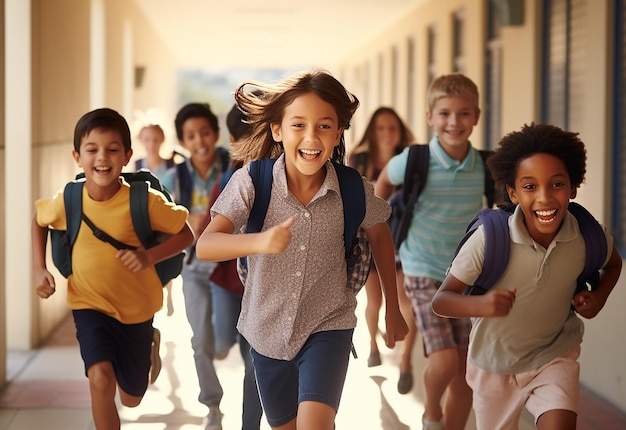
[(298, 273), (307, 215), (302, 247)]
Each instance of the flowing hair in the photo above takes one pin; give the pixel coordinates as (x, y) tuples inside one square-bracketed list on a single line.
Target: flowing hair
[(264, 104)]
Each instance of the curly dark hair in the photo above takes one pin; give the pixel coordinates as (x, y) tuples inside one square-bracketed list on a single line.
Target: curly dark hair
[(534, 139)]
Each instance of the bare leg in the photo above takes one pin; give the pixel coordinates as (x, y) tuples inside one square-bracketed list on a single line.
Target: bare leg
[(170, 303), (440, 370), (407, 312), (372, 310), (459, 400), (311, 416), (315, 416), (102, 386), (558, 419)]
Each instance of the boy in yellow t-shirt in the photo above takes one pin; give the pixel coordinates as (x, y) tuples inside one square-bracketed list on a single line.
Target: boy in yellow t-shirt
[(113, 294)]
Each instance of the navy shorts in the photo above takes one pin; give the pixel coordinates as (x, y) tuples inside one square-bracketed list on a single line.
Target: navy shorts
[(316, 374), (126, 346)]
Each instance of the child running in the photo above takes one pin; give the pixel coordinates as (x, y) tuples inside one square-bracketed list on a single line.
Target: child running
[(113, 294), (297, 312), (526, 336)]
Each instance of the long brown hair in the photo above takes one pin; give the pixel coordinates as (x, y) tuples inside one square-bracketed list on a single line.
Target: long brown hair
[(268, 107)]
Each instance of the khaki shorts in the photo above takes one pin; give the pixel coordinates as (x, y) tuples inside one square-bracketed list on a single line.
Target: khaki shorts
[(500, 399)]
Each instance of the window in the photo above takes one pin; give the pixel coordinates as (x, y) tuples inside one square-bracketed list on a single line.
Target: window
[(493, 81), (458, 26), (563, 62)]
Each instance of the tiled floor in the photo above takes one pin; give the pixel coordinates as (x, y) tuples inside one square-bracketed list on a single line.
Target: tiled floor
[(49, 391)]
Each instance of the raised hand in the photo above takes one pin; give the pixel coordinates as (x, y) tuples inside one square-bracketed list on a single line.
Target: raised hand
[(276, 239)]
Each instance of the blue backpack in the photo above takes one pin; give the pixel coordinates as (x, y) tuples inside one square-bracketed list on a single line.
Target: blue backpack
[(62, 241), (358, 252), (497, 247)]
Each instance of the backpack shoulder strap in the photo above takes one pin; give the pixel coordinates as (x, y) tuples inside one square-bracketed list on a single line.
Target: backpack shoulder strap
[(73, 201), (596, 248), (495, 223), (224, 156), (497, 246), (490, 186), (262, 178), (183, 185), (139, 212), (416, 173), (353, 199)]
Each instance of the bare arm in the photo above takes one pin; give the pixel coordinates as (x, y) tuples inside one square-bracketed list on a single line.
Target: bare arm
[(383, 188), (590, 303), (137, 260), (218, 243), (44, 281), (450, 302), (383, 253)]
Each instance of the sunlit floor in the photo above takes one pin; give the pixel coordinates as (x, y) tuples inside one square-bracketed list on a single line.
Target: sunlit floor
[(49, 390)]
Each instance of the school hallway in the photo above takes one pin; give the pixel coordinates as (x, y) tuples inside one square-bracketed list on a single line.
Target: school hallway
[(48, 390)]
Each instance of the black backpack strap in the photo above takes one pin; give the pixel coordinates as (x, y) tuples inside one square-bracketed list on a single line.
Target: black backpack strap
[(596, 247), (416, 174), (353, 199), (224, 156), (262, 178), (139, 212), (73, 200), (490, 186), (183, 185), (104, 236)]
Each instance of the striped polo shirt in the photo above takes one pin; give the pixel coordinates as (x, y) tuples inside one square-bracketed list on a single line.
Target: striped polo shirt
[(452, 197)]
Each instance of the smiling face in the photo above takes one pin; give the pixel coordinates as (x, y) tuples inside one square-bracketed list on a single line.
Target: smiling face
[(152, 138), (543, 190), (309, 131), (199, 138), (387, 130), (453, 118), (102, 157)]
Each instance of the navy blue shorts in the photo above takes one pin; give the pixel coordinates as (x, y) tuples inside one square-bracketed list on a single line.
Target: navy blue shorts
[(126, 346), (316, 374)]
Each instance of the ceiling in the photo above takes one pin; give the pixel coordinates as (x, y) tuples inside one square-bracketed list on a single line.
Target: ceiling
[(271, 33)]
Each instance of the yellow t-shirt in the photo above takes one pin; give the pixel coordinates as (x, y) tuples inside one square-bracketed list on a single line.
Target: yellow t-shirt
[(100, 281)]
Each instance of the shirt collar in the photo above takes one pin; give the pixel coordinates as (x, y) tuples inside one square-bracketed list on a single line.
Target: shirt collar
[(519, 233), (449, 163), (331, 182)]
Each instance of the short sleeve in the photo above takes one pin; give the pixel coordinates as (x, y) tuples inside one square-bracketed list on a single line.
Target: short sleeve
[(396, 167)]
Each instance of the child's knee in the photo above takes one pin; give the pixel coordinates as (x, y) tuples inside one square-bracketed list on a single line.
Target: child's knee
[(129, 401), (102, 377)]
